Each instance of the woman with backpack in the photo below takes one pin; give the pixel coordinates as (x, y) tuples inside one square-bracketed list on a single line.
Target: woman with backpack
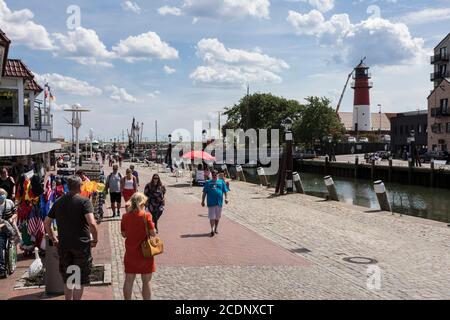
[(128, 185)]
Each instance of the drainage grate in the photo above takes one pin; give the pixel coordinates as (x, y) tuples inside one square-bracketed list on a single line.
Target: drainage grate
[(301, 250), (360, 260)]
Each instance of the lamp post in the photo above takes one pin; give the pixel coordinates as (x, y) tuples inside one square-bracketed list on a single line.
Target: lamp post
[(76, 115), (379, 106), (91, 137), (287, 124)]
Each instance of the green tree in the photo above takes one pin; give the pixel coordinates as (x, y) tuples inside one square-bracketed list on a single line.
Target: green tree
[(261, 111), (317, 120)]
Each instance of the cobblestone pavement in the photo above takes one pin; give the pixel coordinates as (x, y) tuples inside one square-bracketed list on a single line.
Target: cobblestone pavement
[(411, 253)]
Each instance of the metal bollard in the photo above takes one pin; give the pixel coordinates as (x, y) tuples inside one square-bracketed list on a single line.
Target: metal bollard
[(54, 283), (331, 188), (262, 177), (298, 183), (240, 173), (382, 196)]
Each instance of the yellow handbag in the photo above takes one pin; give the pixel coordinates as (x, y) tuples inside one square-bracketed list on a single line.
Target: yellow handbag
[(152, 246)]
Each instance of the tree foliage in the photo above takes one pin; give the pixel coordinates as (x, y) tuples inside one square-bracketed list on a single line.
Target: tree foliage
[(318, 120)]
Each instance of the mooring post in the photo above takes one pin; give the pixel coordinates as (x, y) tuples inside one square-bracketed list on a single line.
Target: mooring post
[(382, 196), (262, 177), (240, 173), (432, 174), (356, 166), (332, 192), (410, 170), (298, 183), (390, 169), (372, 170)]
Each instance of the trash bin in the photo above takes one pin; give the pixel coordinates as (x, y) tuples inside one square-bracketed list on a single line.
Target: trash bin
[(54, 283)]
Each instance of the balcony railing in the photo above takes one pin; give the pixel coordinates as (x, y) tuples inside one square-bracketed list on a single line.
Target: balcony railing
[(440, 112), (369, 75), (435, 76), (440, 57)]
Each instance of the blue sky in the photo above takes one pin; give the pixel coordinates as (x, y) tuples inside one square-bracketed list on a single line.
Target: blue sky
[(177, 61)]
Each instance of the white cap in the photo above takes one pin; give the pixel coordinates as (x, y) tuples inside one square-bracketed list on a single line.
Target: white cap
[(296, 176), (329, 181), (379, 187), (238, 168)]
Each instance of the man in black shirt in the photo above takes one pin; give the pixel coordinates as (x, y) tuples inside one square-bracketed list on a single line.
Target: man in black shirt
[(75, 224)]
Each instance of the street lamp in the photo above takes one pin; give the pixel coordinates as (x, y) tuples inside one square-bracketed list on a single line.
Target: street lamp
[(91, 137), (287, 124), (379, 106), (76, 116)]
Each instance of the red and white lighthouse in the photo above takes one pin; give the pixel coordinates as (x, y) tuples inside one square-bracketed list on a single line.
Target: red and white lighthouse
[(362, 117)]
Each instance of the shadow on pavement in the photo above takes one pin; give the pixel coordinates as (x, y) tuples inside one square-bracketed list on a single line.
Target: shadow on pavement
[(201, 235)]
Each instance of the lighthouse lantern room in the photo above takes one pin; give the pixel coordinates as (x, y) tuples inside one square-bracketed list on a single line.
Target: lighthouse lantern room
[(362, 121)]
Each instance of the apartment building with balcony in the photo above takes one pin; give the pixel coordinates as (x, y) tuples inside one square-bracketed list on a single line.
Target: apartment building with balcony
[(441, 61), (25, 121)]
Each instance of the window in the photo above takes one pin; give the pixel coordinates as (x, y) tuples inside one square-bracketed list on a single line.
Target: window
[(448, 127), (9, 106), (444, 107), (444, 52)]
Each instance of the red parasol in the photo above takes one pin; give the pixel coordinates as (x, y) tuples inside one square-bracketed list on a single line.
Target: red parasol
[(199, 155)]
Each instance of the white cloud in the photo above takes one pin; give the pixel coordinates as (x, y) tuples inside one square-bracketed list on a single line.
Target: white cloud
[(131, 6), (154, 94), (321, 5), (68, 85), (382, 41), (220, 9), (166, 10), (19, 27), (145, 46), (234, 67), (82, 45), (169, 70), (426, 16), (120, 94)]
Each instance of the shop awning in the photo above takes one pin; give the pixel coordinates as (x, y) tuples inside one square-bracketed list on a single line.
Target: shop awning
[(25, 147)]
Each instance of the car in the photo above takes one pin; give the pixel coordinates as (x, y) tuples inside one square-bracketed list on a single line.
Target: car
[(364, 140), (351, 140), (384, 155), (435, 155)]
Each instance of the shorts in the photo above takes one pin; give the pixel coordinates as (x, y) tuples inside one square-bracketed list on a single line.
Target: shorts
[(115, 197), (81, 258), (214, 213)]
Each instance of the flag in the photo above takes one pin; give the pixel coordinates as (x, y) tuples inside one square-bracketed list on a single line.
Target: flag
[(36, 226)]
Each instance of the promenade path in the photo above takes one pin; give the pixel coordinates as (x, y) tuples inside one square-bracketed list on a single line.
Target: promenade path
[(290, 247)]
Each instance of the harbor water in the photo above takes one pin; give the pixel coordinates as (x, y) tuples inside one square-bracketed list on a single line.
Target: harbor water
[(424, 202)]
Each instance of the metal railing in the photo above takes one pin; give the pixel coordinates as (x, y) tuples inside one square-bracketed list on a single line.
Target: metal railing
[(440, 57), (439, 75)]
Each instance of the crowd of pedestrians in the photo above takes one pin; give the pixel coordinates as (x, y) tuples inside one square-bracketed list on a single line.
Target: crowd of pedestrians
[(77, 230)]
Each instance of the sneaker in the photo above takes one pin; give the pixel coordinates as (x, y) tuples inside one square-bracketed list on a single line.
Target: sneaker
[(212, 234), (216, 232)]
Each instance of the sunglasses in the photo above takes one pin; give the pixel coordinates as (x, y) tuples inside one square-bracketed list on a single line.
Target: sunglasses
[(156, 178)]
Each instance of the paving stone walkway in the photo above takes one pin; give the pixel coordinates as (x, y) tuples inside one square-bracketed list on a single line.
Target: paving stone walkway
[(290, 248)]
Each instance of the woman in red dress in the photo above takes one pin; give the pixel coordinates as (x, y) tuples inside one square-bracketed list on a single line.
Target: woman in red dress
[(134, 231)]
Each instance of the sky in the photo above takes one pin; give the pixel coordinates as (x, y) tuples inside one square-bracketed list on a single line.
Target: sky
[(181, 61)]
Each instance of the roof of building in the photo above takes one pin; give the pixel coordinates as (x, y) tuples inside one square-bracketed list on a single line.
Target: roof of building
[(15, 68), (5, 42), (347, 120), (445, 38), (412, 113), (32, 85)]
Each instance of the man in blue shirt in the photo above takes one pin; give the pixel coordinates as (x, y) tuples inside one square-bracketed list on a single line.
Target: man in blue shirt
[(214, 190)]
